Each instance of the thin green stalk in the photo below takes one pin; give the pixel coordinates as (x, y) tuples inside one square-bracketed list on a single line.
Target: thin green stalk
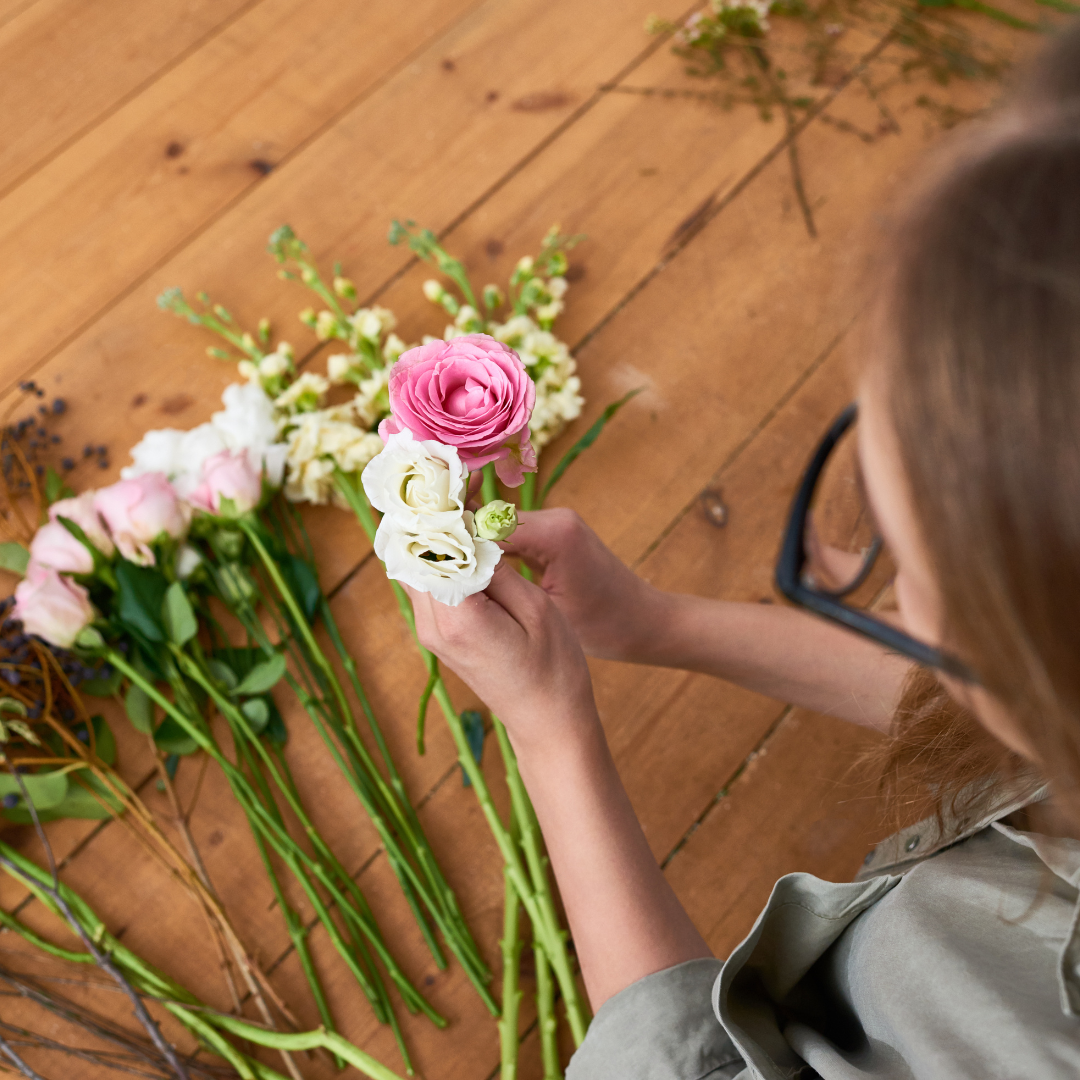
[(489, 487), (545, 1015), (367, 924), (537, 861), (511, 958)]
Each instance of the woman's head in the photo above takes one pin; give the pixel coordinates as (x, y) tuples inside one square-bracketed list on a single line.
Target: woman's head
[(971, 417)]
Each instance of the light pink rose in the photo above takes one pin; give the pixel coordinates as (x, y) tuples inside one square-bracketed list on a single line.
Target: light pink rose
[(55, 547), (472, 393), (51, 606), (138, 511), (228, 475), (81, 511)]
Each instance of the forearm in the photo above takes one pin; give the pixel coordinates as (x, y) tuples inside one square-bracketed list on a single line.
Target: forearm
[(780, 652), (625, 919)]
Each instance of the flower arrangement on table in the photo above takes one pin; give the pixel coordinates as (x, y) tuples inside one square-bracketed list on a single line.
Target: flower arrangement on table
[(137, 577)]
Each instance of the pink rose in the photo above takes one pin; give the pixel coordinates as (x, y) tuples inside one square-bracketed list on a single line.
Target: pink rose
[(228, 475), (55, 547), (139, 511), (81, 511), (472, 393), (51, 606)]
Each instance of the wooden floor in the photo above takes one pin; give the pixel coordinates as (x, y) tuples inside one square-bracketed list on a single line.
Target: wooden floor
[(144, 145)]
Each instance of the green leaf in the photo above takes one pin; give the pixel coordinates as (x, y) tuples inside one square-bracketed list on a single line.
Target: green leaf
[(585, 442), (173, 739), (142, 593), (55, 488), (263, 676), (102, 687), (303, 584), (223, 674), (104, 739), (14, 557), (258, 714), (46, 790), (473, 725), (140, 709), (276, 732), (79, 802), (178, 615)]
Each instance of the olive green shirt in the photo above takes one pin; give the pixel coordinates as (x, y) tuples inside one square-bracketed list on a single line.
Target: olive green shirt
[(954, 954)]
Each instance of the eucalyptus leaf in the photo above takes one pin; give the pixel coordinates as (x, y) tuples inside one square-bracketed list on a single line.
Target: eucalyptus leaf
[(263, 676), (303, 584), (104, 740), (178, 615), (46, 790), (55, 488), (79, 802), (258, 714), (276, 731), (14, 558), (472, 724), (173, 739), (140, 709), (223, 674)]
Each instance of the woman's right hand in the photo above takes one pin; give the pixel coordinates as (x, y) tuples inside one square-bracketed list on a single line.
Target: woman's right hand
[(614, 613)]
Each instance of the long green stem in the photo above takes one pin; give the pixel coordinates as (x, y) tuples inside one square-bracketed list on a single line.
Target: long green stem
[(511, 958), (540, 909), (379, 798), (531, 842), (545, 1015), (204, 1022)]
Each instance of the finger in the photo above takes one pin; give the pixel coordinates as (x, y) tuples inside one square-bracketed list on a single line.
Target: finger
[(476, 481), (510, 591)]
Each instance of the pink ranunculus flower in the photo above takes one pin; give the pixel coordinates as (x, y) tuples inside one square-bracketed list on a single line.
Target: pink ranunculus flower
[(472, 393), (140, 510), (228, 475), (51, 606), (55, 547), (81, 511)]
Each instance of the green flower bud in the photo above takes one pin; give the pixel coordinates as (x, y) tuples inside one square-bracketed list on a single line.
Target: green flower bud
[(344, 287), (496, 520), (308, 276), (493, 297), (308, 317)]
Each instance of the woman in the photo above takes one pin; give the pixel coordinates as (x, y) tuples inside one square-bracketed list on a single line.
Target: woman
[(957, 952)]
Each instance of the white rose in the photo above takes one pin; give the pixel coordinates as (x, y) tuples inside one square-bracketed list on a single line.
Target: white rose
[(450, 563), (247, 421), (158, 451), (418, 484)]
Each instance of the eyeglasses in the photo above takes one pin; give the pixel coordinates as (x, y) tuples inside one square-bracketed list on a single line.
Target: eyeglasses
[(831, 545)]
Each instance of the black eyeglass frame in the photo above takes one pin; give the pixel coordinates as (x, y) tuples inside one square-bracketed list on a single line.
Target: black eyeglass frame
[(793, 559)]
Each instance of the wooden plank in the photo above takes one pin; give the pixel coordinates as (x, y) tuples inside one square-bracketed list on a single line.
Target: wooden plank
[(123, 197), (66, 64), (794, 808)]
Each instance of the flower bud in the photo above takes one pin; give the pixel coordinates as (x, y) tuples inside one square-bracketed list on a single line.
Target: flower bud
[(344, 287), (247, 341), (496, 520), (308, 276), (264, 329), (493, 297), (525, 264), (433, 290), (308, 317)]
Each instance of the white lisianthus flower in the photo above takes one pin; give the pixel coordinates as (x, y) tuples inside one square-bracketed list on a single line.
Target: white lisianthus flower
[(449, 563), (304, 395), (420, 484)]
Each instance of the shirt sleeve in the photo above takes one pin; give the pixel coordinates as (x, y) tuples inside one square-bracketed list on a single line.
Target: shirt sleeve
[(660, 1028)]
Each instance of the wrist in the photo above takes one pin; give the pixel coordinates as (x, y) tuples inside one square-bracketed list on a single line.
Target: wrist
[(651, 636)]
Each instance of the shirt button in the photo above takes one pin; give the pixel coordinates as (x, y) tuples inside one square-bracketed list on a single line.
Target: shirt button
[(912, 843)]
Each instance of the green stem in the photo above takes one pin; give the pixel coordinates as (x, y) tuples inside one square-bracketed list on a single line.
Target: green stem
[(555, 938), (489, 487), (511, 958), (541, 910), (545, 1015)]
